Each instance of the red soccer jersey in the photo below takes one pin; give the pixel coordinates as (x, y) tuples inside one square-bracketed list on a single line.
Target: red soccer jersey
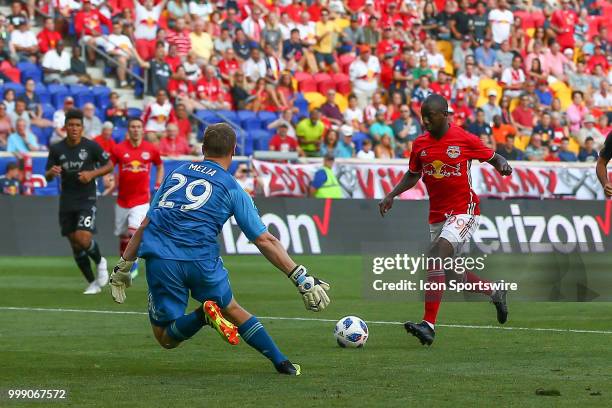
[(287, 144), (566, 21), (134, 171), (445, 168)]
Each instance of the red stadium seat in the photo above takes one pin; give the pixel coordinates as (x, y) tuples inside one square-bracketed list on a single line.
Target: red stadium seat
[(325, 85), (343, 83), (307, 84), (345, 62), (300, 76)]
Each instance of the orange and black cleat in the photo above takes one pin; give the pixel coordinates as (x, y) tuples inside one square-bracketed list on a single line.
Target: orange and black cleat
[(215, 319)]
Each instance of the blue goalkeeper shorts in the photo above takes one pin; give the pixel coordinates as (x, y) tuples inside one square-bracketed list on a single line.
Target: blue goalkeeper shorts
[(171, 282)]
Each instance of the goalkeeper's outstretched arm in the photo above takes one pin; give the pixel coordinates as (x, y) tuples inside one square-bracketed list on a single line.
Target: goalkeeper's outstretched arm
[(313, 290), (131, 251)]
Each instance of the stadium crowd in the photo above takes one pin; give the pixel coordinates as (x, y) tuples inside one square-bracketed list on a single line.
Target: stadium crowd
[(531, 78)]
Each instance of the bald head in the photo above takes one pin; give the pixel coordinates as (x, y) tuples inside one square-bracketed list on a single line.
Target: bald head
[(434, 114), (435, 103)]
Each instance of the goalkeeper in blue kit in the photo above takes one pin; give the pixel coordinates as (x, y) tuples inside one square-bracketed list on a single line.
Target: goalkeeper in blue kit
[(178, 240)]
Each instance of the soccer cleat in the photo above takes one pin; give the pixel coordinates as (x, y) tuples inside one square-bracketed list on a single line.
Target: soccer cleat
[(287, 367), (421, 331), (499, 301), (215, 319), (102, 279), (92, 289)]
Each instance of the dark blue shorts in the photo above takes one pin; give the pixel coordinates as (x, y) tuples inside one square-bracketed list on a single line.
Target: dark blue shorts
[(171, 282)]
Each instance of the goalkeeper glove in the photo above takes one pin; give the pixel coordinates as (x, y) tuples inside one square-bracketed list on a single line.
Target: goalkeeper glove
[(313, 290), (121, 279)]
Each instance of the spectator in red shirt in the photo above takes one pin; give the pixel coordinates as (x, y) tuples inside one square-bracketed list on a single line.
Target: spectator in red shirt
[(173, 59), (48, 37), (599, 58), (563, 23), (183, 122), (551, 153), (442, 86), (180, 88), (229, 65), (209, 91), (523, 116), (172, 145), (462, 112), (388, 45), (281, 142), (105, 139), (88, 24), (180, 37), (295, 10)]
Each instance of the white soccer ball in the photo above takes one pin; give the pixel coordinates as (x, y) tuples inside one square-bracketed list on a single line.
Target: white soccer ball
[(351, 331)]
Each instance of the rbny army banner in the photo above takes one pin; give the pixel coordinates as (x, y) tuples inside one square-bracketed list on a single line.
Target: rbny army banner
[(373, 180)]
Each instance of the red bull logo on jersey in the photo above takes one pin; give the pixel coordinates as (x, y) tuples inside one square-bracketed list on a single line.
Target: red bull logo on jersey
[(438, 169), (135, 166), (453, 151)]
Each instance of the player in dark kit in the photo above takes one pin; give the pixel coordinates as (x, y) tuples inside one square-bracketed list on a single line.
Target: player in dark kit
[(79, 162), (442, 157)]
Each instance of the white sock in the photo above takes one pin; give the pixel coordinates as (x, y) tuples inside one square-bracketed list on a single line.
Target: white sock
[(430, 324)]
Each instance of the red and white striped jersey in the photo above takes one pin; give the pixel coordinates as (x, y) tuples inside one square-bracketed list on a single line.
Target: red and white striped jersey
[(157, 116)]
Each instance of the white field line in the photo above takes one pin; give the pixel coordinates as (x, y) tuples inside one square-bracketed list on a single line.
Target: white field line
[(311, 319)]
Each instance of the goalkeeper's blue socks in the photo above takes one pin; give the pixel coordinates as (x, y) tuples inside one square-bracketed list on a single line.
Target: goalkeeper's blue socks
[(253, 332), (186, 326)]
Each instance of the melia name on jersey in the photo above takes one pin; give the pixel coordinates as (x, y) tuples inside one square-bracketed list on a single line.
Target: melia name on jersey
[(203, 169)]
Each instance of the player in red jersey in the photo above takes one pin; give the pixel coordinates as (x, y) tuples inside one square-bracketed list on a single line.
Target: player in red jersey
[(442, 156), (134, 157)]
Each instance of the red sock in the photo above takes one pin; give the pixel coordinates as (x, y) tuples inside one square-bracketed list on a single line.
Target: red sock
[(471, 277), (433, 297), (123, 243)]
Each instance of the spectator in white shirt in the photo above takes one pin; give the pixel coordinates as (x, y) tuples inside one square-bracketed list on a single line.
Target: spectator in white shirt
[(254, 25), (120, 47), (59, 117), (514, 78), (23, 43), (353, 115), (56, 65), (502, 21), (364, 73), (255, 67), (366, 151), (146, 25), (603, 98), (435, 60), (469, 79), (200, 9), (92, 125)]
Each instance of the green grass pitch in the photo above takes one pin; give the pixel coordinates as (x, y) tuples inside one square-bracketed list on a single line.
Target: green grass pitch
[(106, 360)]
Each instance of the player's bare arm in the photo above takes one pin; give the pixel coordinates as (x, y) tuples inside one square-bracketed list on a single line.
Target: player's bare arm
[(409, 180), (87, 175), (159, 178), (273, 250), (53, 172), (602, 174), (501, 165)]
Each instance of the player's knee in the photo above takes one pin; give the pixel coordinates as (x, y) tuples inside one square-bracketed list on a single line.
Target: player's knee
[(168, 346)]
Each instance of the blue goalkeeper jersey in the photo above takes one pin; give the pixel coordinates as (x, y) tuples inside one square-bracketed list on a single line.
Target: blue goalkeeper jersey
[(189, 210)]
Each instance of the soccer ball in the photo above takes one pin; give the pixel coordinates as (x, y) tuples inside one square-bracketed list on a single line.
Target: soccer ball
[(351, 331)]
